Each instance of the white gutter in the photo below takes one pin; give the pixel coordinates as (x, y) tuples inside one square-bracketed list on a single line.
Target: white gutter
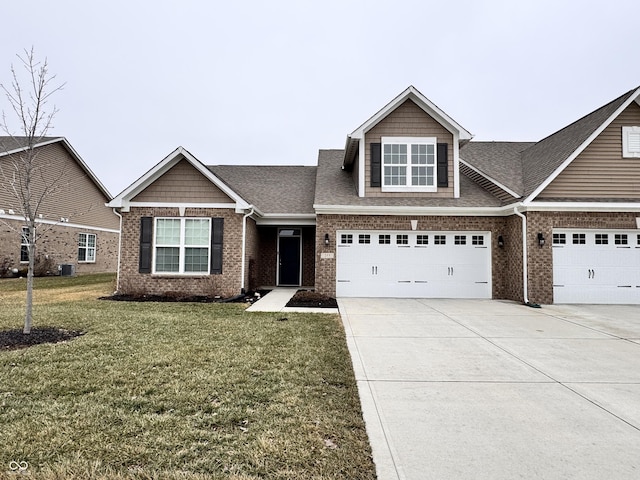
[(119, 250), (524, 255), (244, 246)]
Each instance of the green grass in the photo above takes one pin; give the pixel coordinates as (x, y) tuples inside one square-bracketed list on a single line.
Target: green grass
[(166, 390)]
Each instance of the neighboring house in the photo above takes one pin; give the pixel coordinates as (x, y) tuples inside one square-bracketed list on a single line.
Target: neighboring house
[(75, 228), (411, 207)]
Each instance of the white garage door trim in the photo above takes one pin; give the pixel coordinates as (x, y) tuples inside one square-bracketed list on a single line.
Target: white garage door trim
[(413, 264), (596, 266)]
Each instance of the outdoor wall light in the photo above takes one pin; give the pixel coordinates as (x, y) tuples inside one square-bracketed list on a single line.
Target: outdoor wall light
[(540, 239), (500, 241), (326, 239)]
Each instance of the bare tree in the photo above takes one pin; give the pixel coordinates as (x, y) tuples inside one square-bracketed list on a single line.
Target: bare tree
[(28, 179)]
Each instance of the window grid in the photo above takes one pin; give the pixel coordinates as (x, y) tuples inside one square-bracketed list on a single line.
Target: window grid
[(384, 239), (460, 240), (579, 239), (477, 240), (87, 247), (24, 245), (422, 240), (402, 239), (364, 238), (409, 164), (182, 245), (346, 238), (621, 239), (440, 239), (559, 238), (602, 239)]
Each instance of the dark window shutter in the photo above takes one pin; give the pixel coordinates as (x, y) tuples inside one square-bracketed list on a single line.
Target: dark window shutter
[(376, 164), (216, 244), (443, 165), (146, 240)]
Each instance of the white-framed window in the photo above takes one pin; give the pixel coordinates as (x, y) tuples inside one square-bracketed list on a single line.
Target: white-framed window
[(631, 142), (24, 245), (346, 238), (409, 164), (182, 246), (87, 247)]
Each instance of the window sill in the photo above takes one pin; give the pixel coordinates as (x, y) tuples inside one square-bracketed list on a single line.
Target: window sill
[(396, 189), (179, 275)]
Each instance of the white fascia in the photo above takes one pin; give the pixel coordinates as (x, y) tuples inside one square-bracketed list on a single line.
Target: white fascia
[(422, 211), (361, 167), (456, 165), (584, 145), (43, 221), (581, 206)]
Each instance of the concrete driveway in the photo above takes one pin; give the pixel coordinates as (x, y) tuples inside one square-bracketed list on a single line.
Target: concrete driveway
[(485, 389)]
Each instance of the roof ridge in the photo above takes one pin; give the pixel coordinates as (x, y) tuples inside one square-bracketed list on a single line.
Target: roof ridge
[(617, 99)]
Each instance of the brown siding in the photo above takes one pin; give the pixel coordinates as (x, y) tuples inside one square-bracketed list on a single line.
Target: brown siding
[(75, 196), (226, 284), (540, 260), (408, 120), (600, 171), (505, 262), (182, 183)]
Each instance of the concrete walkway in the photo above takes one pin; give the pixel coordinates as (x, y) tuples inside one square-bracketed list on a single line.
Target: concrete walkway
[(277, 299), (481, 389)]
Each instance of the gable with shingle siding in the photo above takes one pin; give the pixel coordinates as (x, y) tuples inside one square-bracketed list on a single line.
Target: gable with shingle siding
[(182, 183), (600, 171)]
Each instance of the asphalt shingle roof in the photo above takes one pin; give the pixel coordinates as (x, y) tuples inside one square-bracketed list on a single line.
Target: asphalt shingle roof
[(335, 186), (499, 160), (272, 189), (542, 159)]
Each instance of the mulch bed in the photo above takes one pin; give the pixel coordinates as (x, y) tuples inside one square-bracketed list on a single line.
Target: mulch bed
[(15, 339), (306, 298)]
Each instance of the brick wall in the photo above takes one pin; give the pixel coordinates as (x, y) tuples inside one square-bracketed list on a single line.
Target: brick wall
[(60, 244), (226, 284), (540, 260), (504, 260)]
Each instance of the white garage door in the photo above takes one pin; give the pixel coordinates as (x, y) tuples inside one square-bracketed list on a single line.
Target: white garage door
[(596, 266), (413, 264)]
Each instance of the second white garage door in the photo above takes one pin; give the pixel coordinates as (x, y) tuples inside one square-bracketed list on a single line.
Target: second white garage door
[(408, 264), (596, 266)]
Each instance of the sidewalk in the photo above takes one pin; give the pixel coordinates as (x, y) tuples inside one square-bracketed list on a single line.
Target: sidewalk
[(276, 301)]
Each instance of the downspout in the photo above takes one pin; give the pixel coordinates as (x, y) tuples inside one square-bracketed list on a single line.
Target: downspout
[(525, 269), (119, 250), (244, 247)]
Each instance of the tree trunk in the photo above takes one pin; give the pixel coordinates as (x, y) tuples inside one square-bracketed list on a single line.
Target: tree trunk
[(28, 316)]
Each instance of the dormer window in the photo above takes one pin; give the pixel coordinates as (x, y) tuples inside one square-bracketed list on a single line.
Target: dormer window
[(631, 142), (409, 164)]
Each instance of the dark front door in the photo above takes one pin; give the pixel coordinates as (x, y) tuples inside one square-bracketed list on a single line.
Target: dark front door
[(289, 261)]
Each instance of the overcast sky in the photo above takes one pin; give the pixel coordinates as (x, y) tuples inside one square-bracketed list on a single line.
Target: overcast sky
[(257, 82)]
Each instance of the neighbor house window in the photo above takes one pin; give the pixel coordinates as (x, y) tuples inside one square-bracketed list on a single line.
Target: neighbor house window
[(24, 245), (182, 245), (86, 247), (631, 142), (409, 163)]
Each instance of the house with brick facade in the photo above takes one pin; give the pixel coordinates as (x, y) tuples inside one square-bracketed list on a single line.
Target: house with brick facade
[(77, 233), (410, 207)]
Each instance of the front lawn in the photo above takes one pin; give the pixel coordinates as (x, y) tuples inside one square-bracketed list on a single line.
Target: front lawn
[(170, 390)]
